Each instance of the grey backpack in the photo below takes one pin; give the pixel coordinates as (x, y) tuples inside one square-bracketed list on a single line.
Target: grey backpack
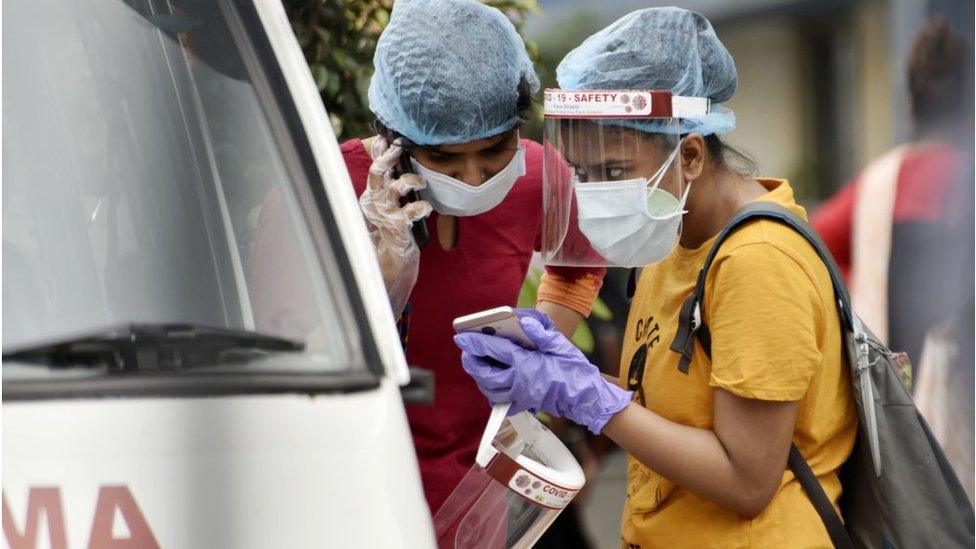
[(899, 489)]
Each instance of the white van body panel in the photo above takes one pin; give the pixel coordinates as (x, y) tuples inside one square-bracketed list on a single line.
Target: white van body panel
[(270, 470), (247, 471)]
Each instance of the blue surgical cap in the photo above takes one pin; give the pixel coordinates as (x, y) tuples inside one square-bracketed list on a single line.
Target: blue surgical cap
[(449, 71), (658, 48)]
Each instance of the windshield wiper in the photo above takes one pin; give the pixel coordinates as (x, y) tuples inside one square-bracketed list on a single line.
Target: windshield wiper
[(154, 347)]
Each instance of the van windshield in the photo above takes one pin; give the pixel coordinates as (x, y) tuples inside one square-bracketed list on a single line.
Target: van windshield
[(144, 188)]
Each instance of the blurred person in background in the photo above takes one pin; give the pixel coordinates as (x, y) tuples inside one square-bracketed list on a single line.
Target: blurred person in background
[(900, 219), (452, 86), (904, 232)]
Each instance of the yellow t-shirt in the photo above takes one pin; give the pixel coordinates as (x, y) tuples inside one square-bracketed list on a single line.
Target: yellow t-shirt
[(770, 307)]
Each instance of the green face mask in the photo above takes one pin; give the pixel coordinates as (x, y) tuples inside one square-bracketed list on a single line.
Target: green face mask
[(661, 203)]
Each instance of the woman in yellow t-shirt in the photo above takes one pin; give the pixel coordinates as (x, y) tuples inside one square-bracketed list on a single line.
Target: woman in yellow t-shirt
[(653, 186)]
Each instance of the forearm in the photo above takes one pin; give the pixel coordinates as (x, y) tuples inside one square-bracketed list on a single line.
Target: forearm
[(566, 319), (568, 300), (692, 458)]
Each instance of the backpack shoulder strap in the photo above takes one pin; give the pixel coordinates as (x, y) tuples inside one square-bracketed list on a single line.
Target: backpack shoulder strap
[(691, 327), (689, 319)]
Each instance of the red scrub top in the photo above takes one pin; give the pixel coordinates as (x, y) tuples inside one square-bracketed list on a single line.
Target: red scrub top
[(485, 270)]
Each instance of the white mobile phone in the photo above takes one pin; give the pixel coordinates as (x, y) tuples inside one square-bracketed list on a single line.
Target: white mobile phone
[(500, 321)]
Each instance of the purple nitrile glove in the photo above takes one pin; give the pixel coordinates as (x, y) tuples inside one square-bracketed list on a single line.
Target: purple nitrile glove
[(540, 316), (556, 378)]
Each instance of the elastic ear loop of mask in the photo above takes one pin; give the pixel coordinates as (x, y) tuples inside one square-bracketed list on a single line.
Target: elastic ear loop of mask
[(659, 175)]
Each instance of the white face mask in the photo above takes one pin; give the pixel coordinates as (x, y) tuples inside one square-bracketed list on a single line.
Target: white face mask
[(451, 196), (629, 224)]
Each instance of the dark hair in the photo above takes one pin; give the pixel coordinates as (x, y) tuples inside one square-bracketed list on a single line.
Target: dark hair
[(724, 156), (729, 157), (523, 106), (938, 78)]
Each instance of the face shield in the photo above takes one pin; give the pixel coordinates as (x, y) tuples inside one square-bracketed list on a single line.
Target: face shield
[(523, 477), (613, 189)]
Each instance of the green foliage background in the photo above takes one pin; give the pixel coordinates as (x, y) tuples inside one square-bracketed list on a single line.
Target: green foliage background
[(339, 37)]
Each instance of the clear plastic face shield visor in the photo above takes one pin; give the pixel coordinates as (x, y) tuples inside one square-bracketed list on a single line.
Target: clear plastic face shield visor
[(613, 191), (523, 477)]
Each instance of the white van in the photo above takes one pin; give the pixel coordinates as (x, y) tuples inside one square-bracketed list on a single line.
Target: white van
[(197, 347)]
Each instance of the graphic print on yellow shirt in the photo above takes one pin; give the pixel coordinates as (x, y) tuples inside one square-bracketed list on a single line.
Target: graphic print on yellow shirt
[(775, 336)]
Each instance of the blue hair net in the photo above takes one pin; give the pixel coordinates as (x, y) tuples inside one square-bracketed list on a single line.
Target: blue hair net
[(449, 71), (658, 48)]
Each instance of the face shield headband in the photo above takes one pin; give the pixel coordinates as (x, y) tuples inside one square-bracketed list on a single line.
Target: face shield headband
[(634, 106)]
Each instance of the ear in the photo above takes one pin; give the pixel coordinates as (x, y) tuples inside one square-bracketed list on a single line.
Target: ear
[(692, 156)]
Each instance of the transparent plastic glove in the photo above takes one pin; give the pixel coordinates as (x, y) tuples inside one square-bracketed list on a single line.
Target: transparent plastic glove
[(389, 223), (556, 378)]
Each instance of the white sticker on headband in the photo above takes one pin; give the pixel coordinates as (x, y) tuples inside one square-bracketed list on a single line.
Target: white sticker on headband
[(539, 490), (601, 103), (622, 104)]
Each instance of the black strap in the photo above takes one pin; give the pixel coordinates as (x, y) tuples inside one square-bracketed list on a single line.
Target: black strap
[(632, 283), (692, 327), (684, 338), (403, 325), (803, 473), (781, 214)]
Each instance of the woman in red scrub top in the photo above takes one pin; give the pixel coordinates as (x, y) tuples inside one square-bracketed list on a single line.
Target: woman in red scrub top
[(451, 88)]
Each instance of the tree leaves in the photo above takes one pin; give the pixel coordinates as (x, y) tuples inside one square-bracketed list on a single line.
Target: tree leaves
[(338, 38)]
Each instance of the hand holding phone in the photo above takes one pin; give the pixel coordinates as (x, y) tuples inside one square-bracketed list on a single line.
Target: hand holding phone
[(390, 222), (421, 235), (500, 321)]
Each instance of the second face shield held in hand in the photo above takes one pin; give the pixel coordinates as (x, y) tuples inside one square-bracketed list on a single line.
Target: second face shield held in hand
[(613, 190)]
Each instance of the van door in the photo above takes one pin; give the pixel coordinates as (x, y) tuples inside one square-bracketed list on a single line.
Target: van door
[(194, 352)]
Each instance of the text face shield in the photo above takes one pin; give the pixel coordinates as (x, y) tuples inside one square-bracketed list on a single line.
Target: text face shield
[(522, 479), (612, 183)]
